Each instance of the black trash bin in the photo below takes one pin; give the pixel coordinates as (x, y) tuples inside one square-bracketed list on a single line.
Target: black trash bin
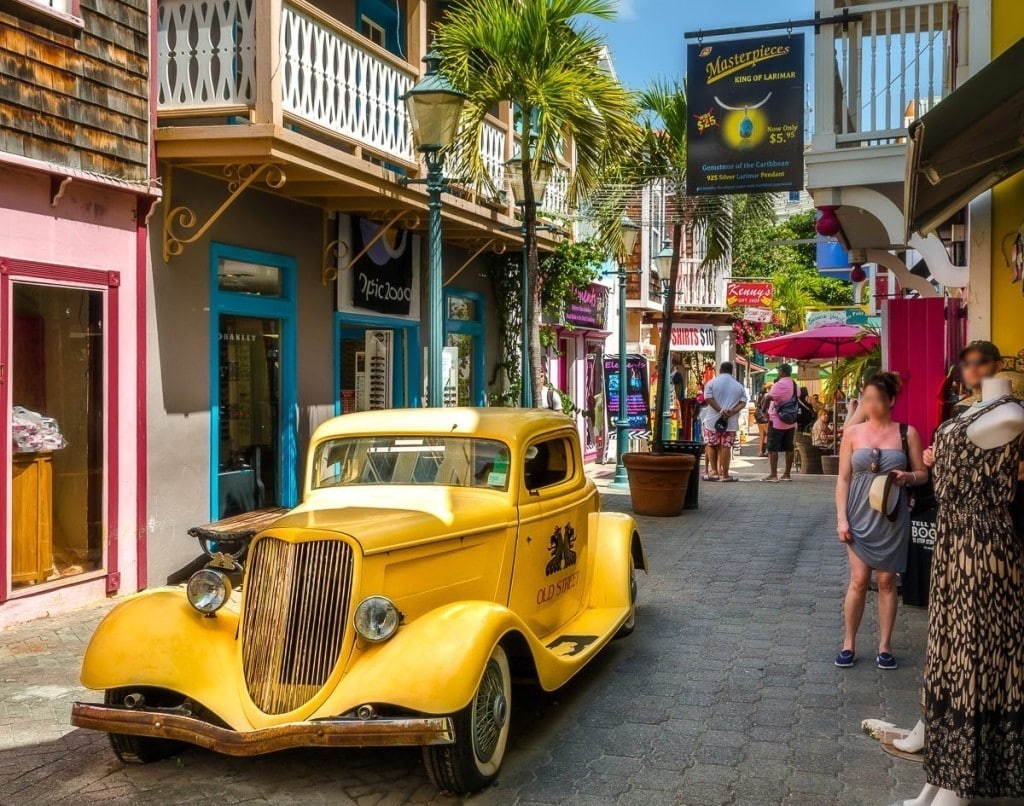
[(695, 449)]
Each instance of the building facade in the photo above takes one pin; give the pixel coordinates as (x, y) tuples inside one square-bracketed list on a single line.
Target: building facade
[(288, 258), (75, 197)]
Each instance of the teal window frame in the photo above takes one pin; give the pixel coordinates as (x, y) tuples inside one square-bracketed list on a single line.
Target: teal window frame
[(390, 16), (281, 307), (473, 328), (406, 370)]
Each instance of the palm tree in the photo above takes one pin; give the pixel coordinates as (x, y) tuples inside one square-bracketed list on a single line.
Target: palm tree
[(661, 156), (544, 58)]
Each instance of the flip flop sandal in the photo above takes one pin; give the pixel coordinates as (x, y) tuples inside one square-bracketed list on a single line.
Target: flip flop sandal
[(770, 481), (730, 479)]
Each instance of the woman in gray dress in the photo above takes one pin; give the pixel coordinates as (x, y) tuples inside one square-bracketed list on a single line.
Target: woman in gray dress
[(875, 447)]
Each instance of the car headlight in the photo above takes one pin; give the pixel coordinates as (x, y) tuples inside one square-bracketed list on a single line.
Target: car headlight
[(208, 590), (376, 619)]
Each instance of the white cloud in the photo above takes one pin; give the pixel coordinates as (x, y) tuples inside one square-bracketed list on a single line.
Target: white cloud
[(627, 9)]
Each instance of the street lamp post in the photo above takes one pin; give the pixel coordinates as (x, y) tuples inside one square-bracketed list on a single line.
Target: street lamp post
[(663, 263), (630, 231), (435, 108), (542, 171)]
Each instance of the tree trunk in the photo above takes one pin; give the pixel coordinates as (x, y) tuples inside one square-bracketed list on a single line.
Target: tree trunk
[(665, 342)]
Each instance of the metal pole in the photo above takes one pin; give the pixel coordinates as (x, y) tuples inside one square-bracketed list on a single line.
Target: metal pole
[(526, 383), (621, 480), (435, 186)]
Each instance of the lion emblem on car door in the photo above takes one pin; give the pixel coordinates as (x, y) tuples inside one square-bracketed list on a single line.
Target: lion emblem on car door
[(561, 548)]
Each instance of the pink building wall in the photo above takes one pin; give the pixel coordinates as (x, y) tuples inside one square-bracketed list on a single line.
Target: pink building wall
[(92, 226)]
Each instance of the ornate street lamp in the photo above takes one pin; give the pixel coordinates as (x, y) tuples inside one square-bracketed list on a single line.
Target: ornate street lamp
[(435, 108), (629, 232), (541, 176)]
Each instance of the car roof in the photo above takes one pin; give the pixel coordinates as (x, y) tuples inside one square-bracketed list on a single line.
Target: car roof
[(504, 424)]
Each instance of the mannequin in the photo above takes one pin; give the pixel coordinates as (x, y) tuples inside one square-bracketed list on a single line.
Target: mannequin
[(1004, 422), (993, 423)]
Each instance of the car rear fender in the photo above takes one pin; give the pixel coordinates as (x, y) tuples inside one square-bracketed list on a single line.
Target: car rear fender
[(615, 539), (157, 639)]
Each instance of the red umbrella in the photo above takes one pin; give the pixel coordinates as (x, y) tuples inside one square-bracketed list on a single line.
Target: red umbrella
[(828, 342)]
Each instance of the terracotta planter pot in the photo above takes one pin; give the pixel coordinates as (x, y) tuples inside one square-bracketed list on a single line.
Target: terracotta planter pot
[(657, 482), (830, 465)]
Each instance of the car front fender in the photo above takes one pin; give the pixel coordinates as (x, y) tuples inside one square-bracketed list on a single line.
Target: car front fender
[(158, 639), (432, 665)]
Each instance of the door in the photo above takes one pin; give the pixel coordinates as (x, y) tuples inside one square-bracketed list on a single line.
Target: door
[(551, 551), (57, 386), (253, 382)]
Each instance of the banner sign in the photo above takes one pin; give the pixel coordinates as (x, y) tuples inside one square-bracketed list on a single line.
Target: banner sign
[(638, 394), (381, 278), (693, 338), (590, 308), (749, 295), (745, 132), (835, 316), (757, 314)]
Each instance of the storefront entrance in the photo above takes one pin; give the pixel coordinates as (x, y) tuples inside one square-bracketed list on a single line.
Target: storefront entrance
[(253, 439), (56, 347), (377, 364)]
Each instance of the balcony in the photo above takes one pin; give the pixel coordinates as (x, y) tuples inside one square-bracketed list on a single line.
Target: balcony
[(875, 74), (280, 82)]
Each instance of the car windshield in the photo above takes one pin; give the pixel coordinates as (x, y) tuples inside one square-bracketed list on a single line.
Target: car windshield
[(442, 461)]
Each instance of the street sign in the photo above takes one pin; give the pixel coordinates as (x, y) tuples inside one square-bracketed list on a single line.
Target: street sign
[(745, 132), (749, 295)]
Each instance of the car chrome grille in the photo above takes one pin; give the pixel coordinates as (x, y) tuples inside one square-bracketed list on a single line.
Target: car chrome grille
[(296, 602)]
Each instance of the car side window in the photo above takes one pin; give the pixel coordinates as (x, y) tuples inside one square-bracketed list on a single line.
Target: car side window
[(548, 462)]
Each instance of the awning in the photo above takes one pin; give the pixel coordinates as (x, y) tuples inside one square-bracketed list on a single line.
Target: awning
[(969, 142)]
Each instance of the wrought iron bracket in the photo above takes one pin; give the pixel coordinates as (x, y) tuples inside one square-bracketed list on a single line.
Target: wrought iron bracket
[(335, 250), (181, 224), (497, 245)]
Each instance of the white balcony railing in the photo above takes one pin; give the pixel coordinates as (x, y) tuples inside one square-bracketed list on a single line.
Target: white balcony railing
[(329, 78), (555, 202), (207, 54), (323, 78), (885, 68), (700, 286)]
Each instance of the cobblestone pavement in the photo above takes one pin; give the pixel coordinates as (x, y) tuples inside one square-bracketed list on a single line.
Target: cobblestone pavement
[(726, 693)]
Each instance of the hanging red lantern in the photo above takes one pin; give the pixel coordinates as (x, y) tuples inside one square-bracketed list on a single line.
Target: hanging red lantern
[(857, 273), (828, 222)]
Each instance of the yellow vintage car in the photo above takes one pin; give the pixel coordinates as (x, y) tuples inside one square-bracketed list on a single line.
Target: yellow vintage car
[(437, 555)]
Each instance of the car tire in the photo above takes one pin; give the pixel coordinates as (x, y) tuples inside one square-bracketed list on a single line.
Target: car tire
[(481, 734), (143, 749), (630, 623)]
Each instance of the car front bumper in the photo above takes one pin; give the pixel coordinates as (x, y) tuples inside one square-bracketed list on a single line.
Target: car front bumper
[(319, 733)]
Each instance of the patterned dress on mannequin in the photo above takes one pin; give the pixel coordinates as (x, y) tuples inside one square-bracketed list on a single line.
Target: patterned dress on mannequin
[(974, 672)]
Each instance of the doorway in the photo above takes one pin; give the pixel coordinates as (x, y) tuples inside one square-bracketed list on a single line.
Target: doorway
[(59, 328), (254, 435)]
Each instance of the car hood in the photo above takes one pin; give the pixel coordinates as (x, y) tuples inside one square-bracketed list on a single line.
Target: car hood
[(392, 517)]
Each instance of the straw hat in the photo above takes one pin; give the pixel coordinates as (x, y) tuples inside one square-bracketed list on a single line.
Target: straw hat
[(884, 496)]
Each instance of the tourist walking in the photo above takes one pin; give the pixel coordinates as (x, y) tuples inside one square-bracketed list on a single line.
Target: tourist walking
[(761, 418), (783, 413), (724, 399), (878, 459)]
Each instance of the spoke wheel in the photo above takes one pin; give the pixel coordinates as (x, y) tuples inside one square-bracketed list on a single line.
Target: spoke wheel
[(481, 734)]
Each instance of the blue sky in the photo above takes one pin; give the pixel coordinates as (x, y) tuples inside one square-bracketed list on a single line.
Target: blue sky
[(647, 38)]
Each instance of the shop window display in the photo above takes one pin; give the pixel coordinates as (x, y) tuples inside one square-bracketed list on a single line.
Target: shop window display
[(58, 426)]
